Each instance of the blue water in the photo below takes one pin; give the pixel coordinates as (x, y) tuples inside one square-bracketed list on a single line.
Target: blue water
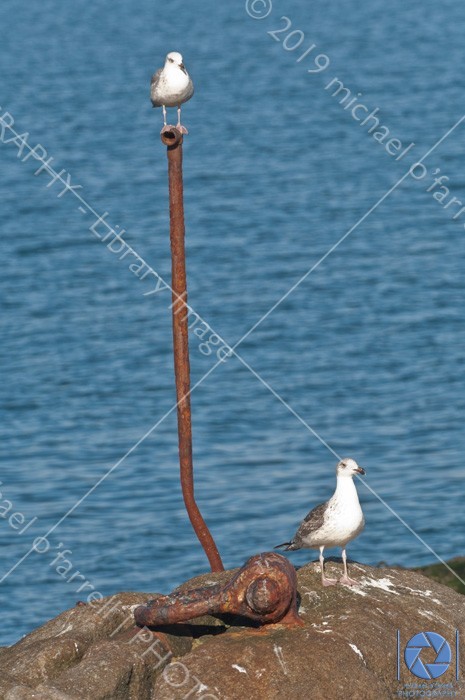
[(367, 350)]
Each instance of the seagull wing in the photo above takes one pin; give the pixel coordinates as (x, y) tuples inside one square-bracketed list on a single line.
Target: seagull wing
[(153, 87), (313, 521), (156, 77)]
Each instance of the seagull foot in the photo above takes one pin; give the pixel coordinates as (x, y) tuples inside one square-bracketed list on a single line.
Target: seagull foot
[(181, 128), (328, 581), (346, 581), (167, 127)]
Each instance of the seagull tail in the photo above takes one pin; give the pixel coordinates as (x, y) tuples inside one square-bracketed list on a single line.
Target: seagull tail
[(287, 545)]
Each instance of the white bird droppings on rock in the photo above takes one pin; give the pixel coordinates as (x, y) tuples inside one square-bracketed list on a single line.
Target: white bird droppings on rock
[(318, 630), (313, 595), (239, 668), (358, 591), (424, 594), (131, 608), (357, 651), (279, 655), (383, 583)]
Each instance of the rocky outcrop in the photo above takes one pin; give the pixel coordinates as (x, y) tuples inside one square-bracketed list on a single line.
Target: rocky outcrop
[(453, 574), (346, 649)]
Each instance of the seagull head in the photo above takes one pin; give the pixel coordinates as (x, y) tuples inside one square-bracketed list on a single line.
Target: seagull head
[(348, 467), (174, 59)]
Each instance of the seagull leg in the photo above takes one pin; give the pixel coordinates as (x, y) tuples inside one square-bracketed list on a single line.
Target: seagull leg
[(179, 126), (165, 126), (345, 579), (325, 581)]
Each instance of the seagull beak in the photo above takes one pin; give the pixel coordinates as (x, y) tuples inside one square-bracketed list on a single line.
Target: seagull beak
[(361, 471), (183, 68)]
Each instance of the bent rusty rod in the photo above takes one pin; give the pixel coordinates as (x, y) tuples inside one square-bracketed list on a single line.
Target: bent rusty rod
[(173, 140)]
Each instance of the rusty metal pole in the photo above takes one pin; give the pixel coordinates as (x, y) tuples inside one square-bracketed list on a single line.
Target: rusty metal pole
[(172, 138)]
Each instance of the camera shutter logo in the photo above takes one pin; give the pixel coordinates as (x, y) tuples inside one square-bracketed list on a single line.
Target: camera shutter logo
[(414, 651)]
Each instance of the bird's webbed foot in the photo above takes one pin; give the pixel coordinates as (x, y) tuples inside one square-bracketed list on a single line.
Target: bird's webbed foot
[(167, 127), (346, 581)]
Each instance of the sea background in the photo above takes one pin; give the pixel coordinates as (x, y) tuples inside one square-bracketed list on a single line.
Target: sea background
[(368, 350)]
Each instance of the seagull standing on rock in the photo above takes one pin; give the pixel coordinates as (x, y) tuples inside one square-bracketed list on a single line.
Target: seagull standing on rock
[(334, 523), (171, 86)]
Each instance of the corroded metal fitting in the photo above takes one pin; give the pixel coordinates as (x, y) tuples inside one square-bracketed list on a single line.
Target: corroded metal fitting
[(263, 590), (170, 136)]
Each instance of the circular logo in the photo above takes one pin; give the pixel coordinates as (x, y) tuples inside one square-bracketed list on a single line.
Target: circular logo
[(413, 653), (258, 9)]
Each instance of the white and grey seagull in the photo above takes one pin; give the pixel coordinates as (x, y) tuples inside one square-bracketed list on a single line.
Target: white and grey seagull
[(334, 523), (171, 86)]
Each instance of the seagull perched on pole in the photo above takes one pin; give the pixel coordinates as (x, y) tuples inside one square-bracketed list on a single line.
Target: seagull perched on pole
[(171, 86), (334, 523)]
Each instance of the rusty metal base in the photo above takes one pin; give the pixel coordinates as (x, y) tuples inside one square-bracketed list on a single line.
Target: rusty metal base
[(263, 590)]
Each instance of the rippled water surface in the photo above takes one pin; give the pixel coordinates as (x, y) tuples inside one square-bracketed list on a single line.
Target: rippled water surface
[(367, 350)]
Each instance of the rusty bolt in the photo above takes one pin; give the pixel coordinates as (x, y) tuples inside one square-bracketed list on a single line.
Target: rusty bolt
[(262, 594)]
